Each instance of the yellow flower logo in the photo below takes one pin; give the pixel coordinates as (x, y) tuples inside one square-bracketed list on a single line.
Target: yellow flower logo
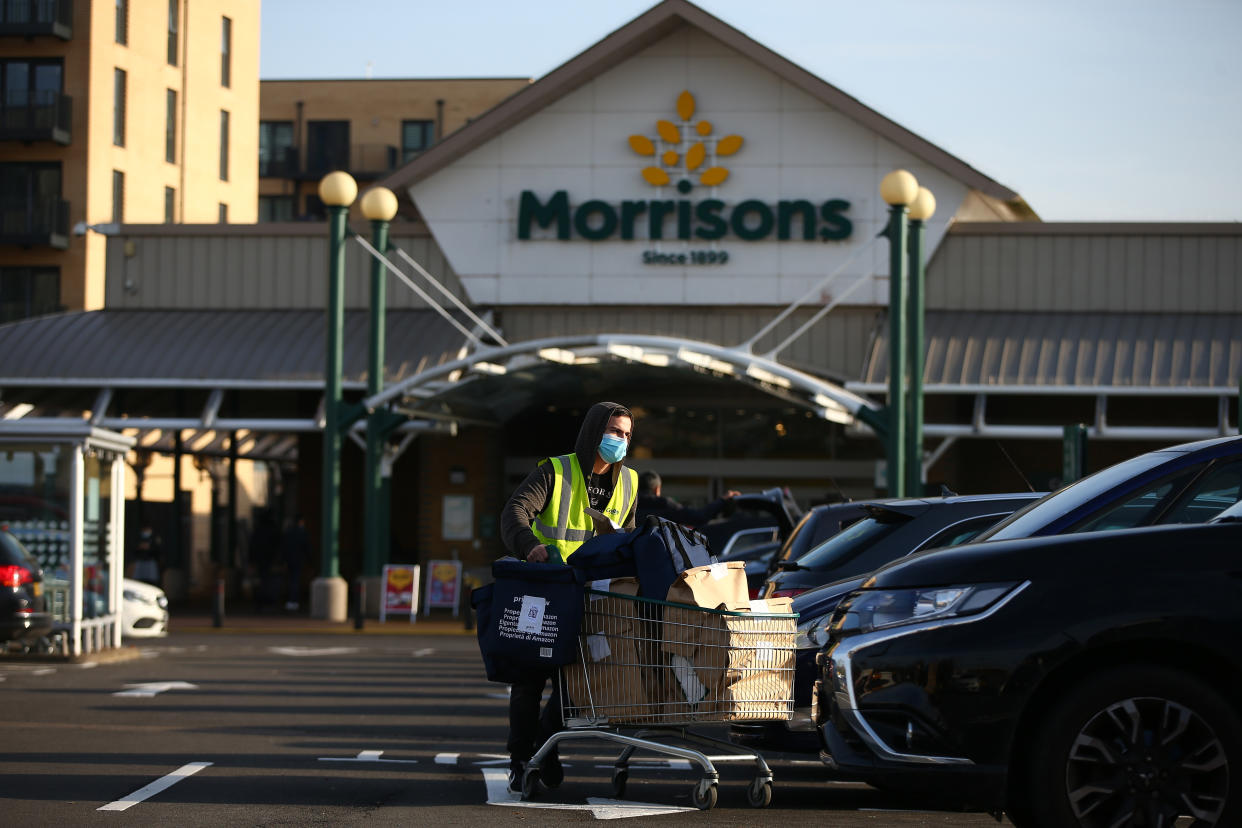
[(700, 148)]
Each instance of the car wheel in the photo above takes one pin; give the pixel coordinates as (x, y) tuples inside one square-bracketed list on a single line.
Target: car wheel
[(1136, 746)]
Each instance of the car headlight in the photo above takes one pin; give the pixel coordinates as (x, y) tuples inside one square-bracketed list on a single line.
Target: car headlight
[(813, 634), (162, 601), (131, 595), (877, 609)]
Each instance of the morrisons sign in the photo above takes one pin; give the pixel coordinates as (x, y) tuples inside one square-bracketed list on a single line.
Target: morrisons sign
[(682, 219)]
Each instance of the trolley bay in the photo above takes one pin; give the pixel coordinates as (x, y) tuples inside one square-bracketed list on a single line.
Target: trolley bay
[(258, 727)]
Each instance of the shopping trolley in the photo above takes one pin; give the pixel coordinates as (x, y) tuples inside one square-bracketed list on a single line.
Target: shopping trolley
[(656, 668)]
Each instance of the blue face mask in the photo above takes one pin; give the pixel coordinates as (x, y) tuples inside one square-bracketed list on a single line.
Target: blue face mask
[(612, 449)]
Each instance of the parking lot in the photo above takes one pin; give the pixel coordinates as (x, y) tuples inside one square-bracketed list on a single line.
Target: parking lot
[(264, 728)]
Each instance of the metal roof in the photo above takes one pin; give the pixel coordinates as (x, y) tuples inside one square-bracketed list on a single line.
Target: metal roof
[(277, 348), (1065, 352)]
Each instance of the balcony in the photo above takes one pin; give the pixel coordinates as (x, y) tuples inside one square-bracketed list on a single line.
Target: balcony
[(364, 161), (32, 18), (43, 116), (38, 222)]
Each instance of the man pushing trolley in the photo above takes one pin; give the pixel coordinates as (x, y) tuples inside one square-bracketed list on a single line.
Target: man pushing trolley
[(644, 633)]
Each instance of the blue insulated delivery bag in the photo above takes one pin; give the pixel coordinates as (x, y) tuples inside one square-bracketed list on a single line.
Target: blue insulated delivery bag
[(535, 613), (498, 667)]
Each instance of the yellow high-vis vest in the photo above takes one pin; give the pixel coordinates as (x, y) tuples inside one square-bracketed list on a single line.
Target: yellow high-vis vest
[(564, 522)]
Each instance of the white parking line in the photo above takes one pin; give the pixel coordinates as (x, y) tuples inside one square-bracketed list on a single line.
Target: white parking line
[(497, 782), (155, 787), (367, 756), (426, 651)]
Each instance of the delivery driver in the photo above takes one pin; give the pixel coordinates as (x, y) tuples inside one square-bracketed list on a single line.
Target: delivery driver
[(545, 520)]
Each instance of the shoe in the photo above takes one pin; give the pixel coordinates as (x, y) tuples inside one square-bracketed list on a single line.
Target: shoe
[(552, 774), (517, 769)]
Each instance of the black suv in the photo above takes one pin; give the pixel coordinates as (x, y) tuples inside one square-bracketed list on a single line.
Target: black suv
[(887, 531), (1090, 679)]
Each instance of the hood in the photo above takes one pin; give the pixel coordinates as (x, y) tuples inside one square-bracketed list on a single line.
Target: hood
[(592, 431), (141, 588)]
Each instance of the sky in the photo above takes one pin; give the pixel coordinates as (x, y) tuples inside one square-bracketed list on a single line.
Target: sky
[(1092, 110)]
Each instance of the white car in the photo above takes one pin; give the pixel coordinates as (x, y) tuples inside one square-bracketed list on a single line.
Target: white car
[(144, 610)]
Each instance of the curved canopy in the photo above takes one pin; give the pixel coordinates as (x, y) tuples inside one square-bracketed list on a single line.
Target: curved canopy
[(828, 400)]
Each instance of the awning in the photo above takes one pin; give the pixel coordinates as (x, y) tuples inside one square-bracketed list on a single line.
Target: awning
[(1068, 352), (1006, 360), (216, 348), (216, 377)]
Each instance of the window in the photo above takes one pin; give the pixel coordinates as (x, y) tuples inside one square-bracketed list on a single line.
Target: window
[(118, 197), (223, 213), (315, 210), (170, 205), (118, 107), (415, 137), (224, 145), (226, 50), (122, 21), (28, 291), (170, 126), (327, 145), (31, 208), (275, 208), (31, 93), (276, 156), (174, 12)]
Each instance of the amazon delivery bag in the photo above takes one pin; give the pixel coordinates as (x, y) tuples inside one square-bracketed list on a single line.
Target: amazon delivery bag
[(536, 612)]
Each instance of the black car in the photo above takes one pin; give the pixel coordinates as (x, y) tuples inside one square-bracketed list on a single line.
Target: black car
[(897, 528), (23, 616), (1189, 483), (1088, 679), (818, 525), (889, 531)]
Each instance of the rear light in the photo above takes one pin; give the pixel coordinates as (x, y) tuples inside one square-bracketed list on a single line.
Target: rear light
[(14, 575), (786, 593)]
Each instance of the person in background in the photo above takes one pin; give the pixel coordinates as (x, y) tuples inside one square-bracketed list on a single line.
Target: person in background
[(264, 541), (545, 520), (295, 549), (148, 556), (651, 502)]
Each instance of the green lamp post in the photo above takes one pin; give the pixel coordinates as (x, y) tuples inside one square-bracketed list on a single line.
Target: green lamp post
[(898, 189), (329, 593), (379, 205), (921, 209)]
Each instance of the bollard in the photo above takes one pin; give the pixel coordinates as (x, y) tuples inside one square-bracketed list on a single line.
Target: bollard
[(217, 616), (360, 605)]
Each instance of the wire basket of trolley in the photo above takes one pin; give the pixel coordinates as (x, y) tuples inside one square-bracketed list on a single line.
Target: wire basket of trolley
[(647, 673)]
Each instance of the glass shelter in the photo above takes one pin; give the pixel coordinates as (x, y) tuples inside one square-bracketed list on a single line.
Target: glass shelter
[(62, 494)]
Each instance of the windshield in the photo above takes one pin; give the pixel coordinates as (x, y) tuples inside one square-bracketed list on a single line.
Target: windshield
[(1233, 513), (1028, 521), (851, 542)]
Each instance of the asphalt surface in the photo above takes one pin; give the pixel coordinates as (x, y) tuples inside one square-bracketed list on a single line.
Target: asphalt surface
[(291, 722)]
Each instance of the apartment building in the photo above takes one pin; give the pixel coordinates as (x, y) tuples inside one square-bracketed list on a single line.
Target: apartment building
[(117, 111), (308, 128)]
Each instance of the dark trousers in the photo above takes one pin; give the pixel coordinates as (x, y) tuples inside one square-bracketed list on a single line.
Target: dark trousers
[(528, 730)]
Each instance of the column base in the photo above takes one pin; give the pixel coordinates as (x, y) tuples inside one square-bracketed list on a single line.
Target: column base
[(329, 599)]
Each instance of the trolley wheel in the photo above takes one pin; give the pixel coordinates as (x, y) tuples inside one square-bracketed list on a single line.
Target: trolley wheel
[(619, 777), (759, 792), (703, 796), (530, 783)]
